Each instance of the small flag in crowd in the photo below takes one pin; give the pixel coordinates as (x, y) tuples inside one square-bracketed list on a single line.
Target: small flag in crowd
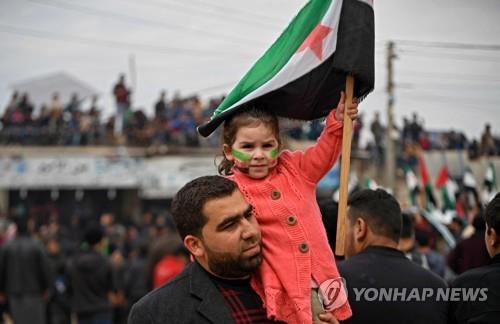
[(302, 74), (490, 184), (430, 201), (490, 178), (448, 188), (412, 185), (470, 186), (369, 183), (468, 179)]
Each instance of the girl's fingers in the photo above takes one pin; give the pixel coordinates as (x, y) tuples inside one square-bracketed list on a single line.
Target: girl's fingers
[(342, 97)]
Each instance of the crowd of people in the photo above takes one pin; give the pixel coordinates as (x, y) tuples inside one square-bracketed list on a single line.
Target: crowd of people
[(413, 133), (69, 123), (95, 267), (174, 123)]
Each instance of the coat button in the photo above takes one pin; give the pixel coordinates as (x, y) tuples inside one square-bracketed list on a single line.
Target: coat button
[(275, 194), (291, 220), (304, 247)]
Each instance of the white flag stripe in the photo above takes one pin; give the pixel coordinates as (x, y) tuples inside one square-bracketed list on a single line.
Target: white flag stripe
[(469, 180), (411, 180), (451, 189), (489, 174)]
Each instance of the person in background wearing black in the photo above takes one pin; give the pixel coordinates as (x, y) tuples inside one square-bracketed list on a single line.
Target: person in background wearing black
[(161, 106), (482, 311), (90, 281), (407, 243), (471, 252), (24, 276), (373, 226), (58, 310)]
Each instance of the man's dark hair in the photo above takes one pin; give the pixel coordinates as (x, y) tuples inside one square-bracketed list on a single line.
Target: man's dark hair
[(21, 224), (478, 222), (407, 225), (93, 234), (379, 210), (187, 205), (329, 210), (492, 214), (422, 238)]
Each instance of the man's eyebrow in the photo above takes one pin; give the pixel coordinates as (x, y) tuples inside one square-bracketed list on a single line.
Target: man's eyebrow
[(248, 211), (233, 218)]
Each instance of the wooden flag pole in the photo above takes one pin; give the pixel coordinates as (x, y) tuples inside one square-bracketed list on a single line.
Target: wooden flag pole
[(344, 168)]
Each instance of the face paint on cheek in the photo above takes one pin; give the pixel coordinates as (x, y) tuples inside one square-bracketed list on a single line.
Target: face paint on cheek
[(274, 153), (242, 160), (241, 156), (273, 157)]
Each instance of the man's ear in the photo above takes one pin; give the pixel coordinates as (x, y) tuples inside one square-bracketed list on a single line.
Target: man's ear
[(194, 246), (493, 237), (227, 152), (360, 229)]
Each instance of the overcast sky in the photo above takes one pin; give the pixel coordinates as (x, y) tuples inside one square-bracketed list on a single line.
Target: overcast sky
[(205, 46)]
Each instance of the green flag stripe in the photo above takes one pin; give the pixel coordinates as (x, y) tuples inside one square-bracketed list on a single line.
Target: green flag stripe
[(276, 57), (447, 202)]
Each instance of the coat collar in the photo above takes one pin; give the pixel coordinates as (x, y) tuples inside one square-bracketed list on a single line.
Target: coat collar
[(212, 305), (495, 259)]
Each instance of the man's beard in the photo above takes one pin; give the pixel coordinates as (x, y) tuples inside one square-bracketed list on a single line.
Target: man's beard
[(226, 265)]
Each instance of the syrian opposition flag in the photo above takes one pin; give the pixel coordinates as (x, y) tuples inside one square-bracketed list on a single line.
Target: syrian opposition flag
[(301, 75), (369, 183), (430, 201), (412, 185), (469, 180), (470, 186), (448, 188), (490, 184), (490, 179)]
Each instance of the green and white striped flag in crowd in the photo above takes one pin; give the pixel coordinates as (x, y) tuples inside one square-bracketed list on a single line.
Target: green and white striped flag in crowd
[(369, 183), (468, 179), (448, 188), (490, 178), (412, 186), (301, 75), (490, 184)]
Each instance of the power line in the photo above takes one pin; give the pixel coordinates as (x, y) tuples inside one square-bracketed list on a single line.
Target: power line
[(214, 6), (446, 76), (111, 43), (445, 86), (206, 14), (215, 87), (454, 45), (460, 57), (425, 96), (138, 20)]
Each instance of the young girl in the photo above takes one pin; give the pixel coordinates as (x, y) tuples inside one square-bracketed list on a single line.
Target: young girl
[(298, 264)]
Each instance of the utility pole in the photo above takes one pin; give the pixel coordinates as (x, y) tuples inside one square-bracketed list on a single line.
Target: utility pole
[(390, 157), (133, 73)]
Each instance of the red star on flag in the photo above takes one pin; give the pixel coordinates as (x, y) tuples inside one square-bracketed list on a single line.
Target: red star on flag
[(315, 40)]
